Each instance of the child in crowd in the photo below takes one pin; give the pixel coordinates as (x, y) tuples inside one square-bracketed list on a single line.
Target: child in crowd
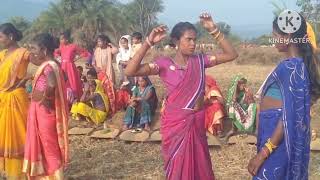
[(123, 56)]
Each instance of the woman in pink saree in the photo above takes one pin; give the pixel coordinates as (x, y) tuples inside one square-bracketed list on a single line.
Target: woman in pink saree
[(46, 149), (68, 51), (184, 142)]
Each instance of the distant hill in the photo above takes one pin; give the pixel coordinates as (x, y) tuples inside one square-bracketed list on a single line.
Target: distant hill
[(29, 9)]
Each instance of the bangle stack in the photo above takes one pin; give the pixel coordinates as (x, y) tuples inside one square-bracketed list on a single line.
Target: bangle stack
[(217, 35), (270, 146)]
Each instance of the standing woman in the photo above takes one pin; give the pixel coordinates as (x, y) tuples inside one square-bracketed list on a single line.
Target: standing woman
[(102, 61), (13, 101), (184, 142), (68, 52), (103, 56), (283, 141), (46, 150)]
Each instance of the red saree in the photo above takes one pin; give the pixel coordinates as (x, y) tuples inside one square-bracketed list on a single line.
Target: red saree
[(214, 111), (46, 149), (108, 87)]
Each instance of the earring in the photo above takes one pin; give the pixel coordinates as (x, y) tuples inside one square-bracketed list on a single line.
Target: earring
[(11, 38), (45, 53)]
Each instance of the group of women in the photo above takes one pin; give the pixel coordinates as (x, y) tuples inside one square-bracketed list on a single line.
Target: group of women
[(33, 136)]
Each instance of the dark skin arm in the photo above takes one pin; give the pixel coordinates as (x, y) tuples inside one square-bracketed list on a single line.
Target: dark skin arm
[(256, 162), (87, 96), (229, 53), (147, 97), (134, 68), (46, 97)]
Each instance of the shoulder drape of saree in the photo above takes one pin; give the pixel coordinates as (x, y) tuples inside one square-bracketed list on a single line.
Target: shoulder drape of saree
[(100, 91), (10, 68), (60, 108), (184, 145), (293, 79)]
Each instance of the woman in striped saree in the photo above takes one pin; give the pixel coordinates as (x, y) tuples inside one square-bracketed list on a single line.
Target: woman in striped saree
[(184, 142)]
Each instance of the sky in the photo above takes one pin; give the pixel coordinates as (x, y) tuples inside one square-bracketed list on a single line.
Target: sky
[(248, 18), (233, 12)]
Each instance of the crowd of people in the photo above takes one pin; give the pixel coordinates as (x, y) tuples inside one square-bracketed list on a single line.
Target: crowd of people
[(34, 127)]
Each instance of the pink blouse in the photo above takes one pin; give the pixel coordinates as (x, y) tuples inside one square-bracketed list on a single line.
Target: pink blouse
[(41, 83), (172, 74)]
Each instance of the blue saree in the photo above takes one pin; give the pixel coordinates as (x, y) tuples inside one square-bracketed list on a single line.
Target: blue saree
[(290, 160), (144, 112)]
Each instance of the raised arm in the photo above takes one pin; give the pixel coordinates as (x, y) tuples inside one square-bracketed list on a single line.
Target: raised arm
[(229, 53), (82, 52), (134, 67)]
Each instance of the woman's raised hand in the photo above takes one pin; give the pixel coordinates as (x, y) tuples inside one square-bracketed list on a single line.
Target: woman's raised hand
[(207, 22), (157, 34)]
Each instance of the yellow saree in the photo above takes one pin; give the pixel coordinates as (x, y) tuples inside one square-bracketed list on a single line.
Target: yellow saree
[(95, 115), (13, 112)]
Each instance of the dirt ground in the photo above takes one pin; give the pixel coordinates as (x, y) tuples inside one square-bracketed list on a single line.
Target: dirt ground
[(93, 159)]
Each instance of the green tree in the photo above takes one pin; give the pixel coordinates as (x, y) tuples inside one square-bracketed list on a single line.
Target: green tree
[(20, 23), (279, 6), (142, 14), (311, 11), (54, 20)]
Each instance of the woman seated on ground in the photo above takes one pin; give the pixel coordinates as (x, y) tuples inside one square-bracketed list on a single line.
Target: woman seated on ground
[(241, 106), (214, 105), (93, 105), (142, 107), (123, 96)]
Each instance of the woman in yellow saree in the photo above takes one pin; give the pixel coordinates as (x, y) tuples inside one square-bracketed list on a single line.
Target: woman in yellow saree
[(94, 104), (13, 102)]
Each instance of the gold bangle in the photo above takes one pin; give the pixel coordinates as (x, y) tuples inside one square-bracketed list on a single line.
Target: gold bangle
[(268, 146), (271, 144), (214, 31), (218, 34)]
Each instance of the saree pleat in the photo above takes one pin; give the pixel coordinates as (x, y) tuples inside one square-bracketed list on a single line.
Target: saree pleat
[(184, 144), (13, 112)]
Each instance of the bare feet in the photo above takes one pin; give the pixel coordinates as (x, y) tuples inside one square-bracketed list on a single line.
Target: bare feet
[(147, 127), (220, 134), (124, 128)]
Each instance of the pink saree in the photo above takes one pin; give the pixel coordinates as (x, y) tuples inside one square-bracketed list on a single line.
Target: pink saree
[(46, 149), (68, 54), (184, 142)]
